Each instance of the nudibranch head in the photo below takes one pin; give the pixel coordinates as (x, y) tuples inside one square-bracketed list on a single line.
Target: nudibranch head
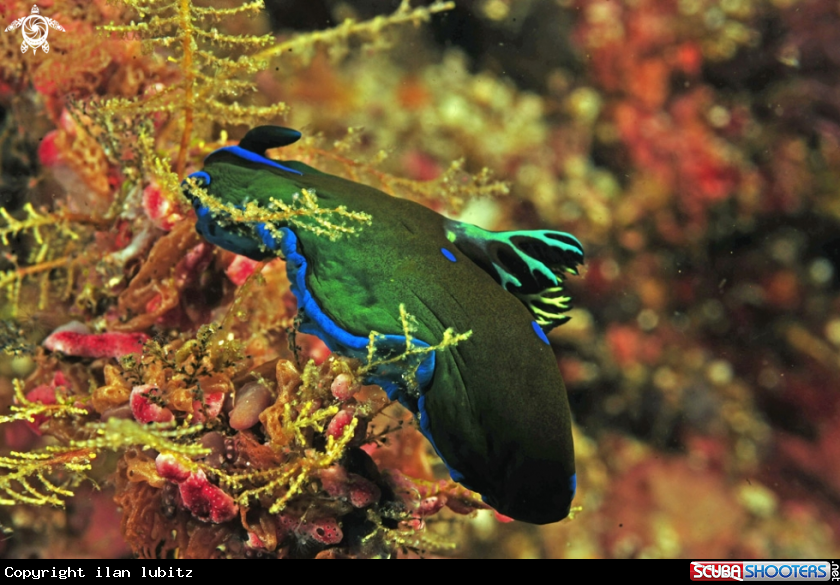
[(493, 406)]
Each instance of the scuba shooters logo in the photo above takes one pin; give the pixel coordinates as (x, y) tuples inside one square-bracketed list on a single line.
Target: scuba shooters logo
[(762, 571), (35, 29)]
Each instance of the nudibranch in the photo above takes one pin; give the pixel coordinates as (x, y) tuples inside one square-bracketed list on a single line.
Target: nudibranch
[(493, 406)]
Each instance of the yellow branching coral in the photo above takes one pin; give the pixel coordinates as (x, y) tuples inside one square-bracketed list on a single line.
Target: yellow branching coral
[(336, 39), (297, 416), (169, 439), (454, 187), (303, 212), (34, 223), (209, 79), (212, 82), (54, 247), (413, 354), (28, 410), (26, 469), (304, 407), (284, 482), (404, 536)]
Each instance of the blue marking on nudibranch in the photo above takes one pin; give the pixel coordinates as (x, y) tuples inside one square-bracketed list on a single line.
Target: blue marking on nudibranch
[(449, 256), (201, 175), (254, 157), (317, 323), (573, 484), (336, 338), (540, 333), (267, 237)]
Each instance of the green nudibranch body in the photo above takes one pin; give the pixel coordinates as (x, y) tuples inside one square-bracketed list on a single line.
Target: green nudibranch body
[(494, 406)]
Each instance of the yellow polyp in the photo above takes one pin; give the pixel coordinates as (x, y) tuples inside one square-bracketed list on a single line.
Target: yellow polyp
[(181, 399), (109, 396), (573, 511), (142, 468)]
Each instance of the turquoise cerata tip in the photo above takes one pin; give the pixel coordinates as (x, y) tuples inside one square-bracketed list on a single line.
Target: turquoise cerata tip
[(494, 406)]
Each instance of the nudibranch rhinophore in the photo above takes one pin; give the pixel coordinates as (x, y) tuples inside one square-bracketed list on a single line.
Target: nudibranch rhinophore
[(493, 406)]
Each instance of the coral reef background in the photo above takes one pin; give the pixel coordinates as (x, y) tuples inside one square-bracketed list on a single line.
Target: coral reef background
[(693, 146)]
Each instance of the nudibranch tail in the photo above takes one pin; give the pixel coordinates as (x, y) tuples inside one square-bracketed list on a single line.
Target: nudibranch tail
[(531, 265), (493, 405)]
